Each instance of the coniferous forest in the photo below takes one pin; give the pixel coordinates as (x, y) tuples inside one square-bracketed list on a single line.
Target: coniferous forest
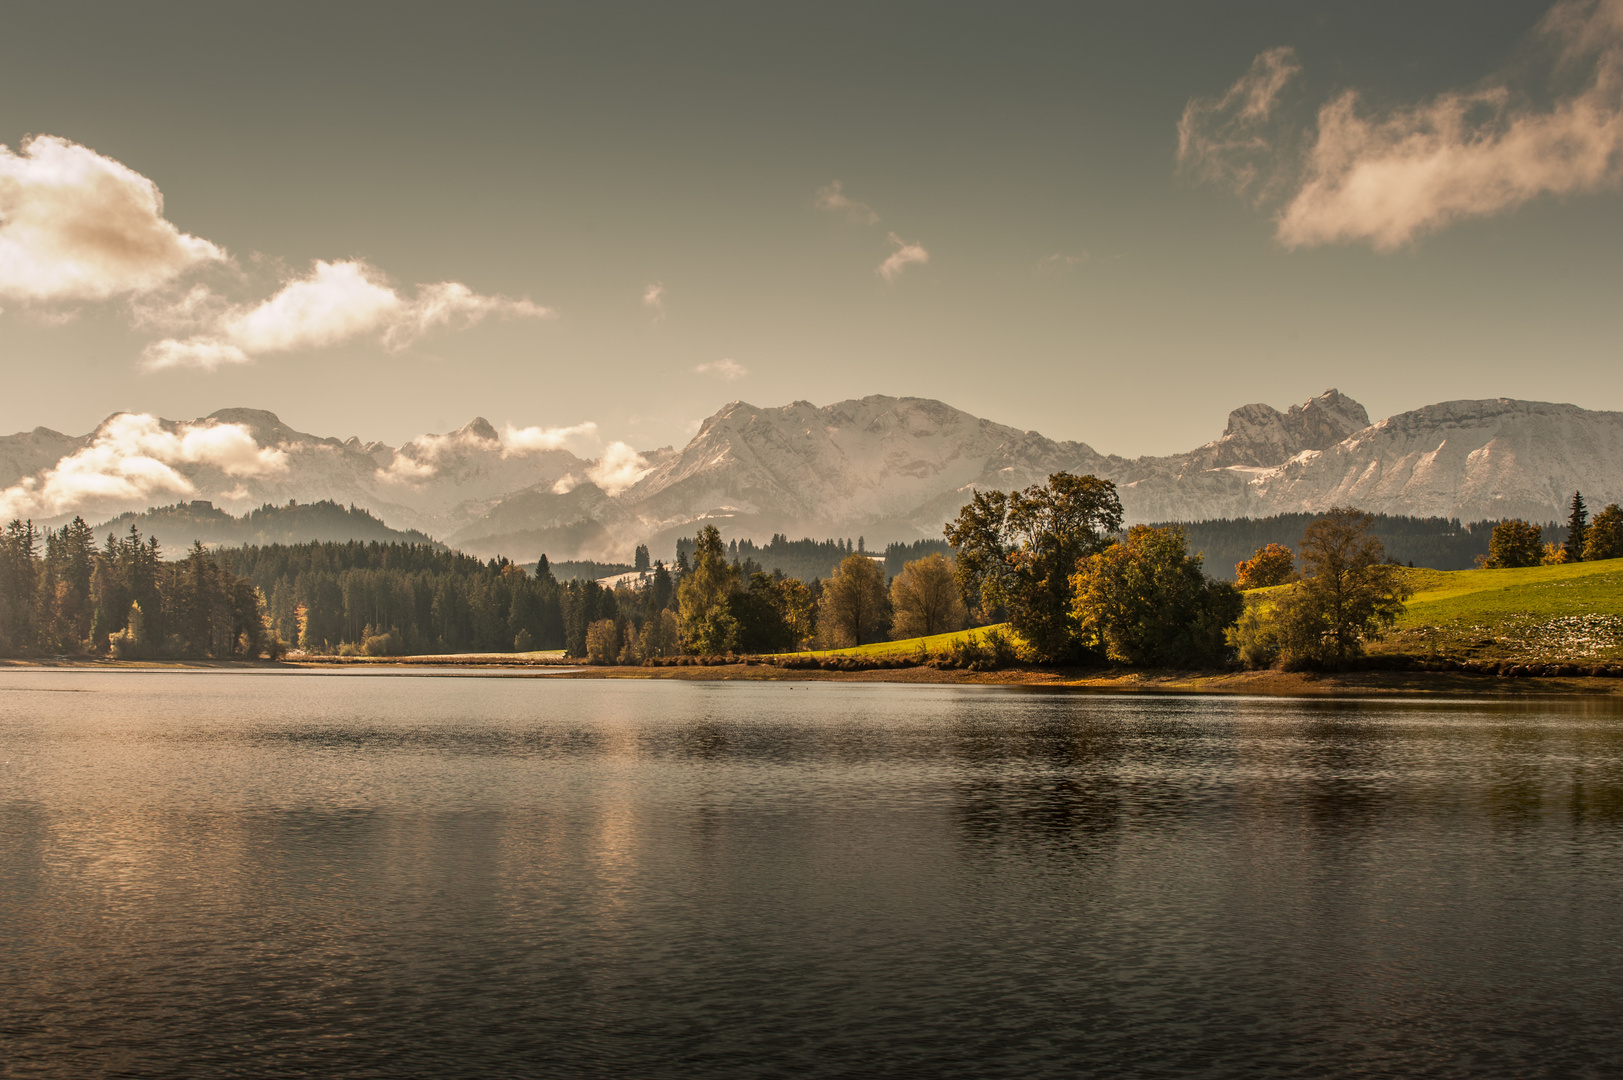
[(61, 593)]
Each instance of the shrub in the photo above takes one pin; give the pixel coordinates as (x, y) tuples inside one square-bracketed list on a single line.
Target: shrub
[(1255, 637)]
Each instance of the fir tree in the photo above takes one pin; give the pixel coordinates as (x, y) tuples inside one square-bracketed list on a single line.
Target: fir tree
[(1577, 525)]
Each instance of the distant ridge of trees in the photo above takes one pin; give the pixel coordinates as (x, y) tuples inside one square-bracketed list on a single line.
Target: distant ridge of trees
[(809, 559), (586, 569), (324, 521), (1435, 542)]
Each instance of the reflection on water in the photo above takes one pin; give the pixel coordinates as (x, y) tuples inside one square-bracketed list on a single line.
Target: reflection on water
[(337, 875)]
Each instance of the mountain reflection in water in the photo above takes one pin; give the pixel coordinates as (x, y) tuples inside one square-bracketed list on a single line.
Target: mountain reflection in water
[(360, 875)]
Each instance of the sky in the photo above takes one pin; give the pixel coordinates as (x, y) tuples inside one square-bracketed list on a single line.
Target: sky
[(1111, 223)]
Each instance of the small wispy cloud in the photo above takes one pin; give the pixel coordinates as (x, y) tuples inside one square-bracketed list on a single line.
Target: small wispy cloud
[(905, 255), (725, 369), (1059, 263), (1388, 177), (654, 297), (832, 198)]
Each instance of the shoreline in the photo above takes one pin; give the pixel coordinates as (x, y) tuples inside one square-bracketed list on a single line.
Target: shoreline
[(1266, 683)]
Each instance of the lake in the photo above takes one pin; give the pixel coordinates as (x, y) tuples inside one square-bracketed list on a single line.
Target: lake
[(375, 874)]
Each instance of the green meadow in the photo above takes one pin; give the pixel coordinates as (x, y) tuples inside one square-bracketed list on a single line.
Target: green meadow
[(1564, 612)]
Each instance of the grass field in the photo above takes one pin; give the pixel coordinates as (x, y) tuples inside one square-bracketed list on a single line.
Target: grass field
[(1560, 612), (935, 643)]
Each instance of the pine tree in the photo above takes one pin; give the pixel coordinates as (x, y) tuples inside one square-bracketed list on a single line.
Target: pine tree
[(1577, 525)]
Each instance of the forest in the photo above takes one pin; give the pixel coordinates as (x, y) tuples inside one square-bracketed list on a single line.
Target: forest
[(61, 593)]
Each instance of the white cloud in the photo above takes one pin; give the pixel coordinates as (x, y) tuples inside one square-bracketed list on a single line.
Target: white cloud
[(403, 468), (724, 369), (832, 198), (517, 440), (904, 256), (334, 303), (618, 469), (133, 457), (75, 225), (1388, 178), (565, 484)]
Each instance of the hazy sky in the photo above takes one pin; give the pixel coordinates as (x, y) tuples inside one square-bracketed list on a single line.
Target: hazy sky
[(649, 210)]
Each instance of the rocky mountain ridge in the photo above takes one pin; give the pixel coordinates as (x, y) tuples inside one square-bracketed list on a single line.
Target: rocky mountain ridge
[(884, 467)]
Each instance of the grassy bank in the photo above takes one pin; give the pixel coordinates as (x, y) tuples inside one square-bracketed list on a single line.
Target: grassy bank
[(1538, 613), (935, 643)]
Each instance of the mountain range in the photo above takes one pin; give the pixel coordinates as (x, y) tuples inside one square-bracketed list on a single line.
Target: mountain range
[(886, 468)]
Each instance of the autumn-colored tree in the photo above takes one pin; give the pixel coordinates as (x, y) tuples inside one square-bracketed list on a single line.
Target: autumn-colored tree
[(1147, 601), (1349, 595), (602, 642), (855, 608), (1514, 543), (926, 600), (1604, 537), (1274, 564)]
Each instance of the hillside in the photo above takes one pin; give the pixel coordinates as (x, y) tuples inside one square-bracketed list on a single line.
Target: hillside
[(177, 526)]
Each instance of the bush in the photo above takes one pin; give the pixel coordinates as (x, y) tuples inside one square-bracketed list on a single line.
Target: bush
[(1255, 638), (384, 644)]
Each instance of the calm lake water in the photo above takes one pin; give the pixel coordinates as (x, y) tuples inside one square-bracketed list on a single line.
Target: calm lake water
[(268, 874)]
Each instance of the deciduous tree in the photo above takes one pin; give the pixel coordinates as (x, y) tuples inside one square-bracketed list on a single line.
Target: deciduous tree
[(1273, 564), (1604, 537), (855, 609), (1148, 602), (1514, 543), (926, 600), (1023, 550), (1348, 595)]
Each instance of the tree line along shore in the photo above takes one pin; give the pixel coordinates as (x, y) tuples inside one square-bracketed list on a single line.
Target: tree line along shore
[(1044, 577)]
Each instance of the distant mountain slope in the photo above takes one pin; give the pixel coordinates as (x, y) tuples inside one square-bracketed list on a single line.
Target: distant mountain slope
[(887, 468), (177, 526)]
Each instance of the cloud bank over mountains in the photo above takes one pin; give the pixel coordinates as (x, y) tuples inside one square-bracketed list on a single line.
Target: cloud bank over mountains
[(77, 227), (1389, 177), (133, 458)]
